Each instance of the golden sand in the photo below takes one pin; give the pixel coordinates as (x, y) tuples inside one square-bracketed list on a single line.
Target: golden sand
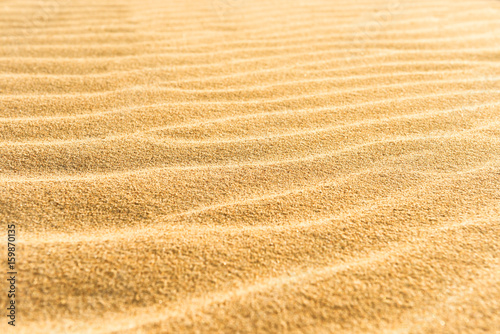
[(236, 166)]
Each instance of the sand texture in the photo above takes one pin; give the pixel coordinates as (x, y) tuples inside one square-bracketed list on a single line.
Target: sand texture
[(237, 166)]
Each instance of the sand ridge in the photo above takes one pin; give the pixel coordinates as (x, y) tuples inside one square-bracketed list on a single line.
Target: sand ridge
[(233, 166)]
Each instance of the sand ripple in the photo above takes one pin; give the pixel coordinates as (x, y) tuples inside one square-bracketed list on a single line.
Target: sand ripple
[(234, 166)]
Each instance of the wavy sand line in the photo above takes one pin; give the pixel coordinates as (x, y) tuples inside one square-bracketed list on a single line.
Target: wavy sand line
[(199, 304), (137, 134), (398, 139)]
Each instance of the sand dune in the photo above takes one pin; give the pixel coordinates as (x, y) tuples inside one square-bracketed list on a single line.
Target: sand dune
[(235, 166)]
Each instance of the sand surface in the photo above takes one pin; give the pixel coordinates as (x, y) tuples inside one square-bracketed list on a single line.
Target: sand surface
[(237, 166)]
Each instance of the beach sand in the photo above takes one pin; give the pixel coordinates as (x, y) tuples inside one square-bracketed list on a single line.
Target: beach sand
[(236, 166)]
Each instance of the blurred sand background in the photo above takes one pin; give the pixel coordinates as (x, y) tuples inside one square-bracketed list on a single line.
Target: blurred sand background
[(237, 166)]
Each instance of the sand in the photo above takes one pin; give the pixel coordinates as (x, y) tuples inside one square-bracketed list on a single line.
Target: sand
[(235, 166)]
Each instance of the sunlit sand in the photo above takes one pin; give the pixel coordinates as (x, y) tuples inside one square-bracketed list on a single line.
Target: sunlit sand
[(235, 166)]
